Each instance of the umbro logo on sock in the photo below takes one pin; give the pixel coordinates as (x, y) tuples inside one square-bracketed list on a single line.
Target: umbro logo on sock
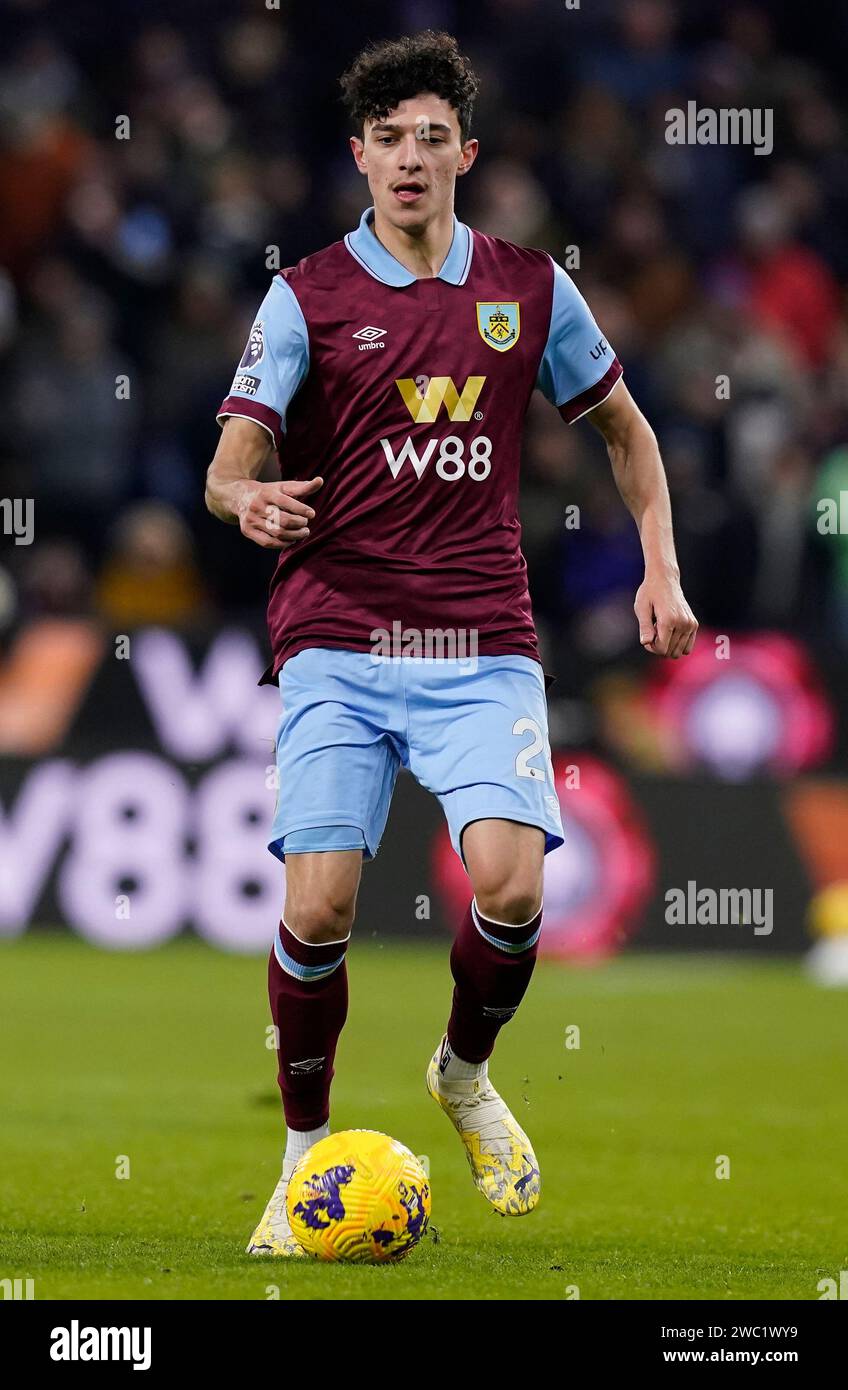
[(308, 1064), (445, 1056)]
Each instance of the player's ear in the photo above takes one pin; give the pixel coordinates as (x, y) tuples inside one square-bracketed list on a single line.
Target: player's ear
[(358, 150), (468, 156)]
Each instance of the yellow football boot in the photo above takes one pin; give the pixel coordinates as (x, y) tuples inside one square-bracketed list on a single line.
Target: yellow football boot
[(499, 1153), (273, 1235)]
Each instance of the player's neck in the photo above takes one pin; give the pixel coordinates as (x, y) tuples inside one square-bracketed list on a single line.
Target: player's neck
[(424, 254)]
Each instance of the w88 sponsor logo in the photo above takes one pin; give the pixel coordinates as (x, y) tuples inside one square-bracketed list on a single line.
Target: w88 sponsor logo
[(424, 397), (452, 463)]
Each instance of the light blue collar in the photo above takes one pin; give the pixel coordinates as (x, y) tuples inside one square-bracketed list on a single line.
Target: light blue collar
[(372, 255)]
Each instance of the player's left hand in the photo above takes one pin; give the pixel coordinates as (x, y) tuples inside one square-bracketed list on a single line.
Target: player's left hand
[(667, 625)]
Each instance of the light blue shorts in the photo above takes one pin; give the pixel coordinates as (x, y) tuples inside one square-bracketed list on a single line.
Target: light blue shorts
[(477, 737)]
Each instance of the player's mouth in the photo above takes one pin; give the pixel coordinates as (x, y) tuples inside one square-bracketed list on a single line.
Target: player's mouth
[(410, 192)]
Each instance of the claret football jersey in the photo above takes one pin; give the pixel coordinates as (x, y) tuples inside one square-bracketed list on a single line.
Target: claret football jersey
[(408, 397)]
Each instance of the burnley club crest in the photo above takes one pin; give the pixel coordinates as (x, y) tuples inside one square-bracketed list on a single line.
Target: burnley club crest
[(499, 325)]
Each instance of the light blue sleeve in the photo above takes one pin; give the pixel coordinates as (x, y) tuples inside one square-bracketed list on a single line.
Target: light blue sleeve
[(274, 363), (579, 367)]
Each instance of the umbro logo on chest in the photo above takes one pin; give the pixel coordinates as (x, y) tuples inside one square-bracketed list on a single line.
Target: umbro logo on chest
[(369, 337)]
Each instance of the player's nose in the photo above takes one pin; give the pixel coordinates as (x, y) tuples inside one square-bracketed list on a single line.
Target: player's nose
[(410, 154)]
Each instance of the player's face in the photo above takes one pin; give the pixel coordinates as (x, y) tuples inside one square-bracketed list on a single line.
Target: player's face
[(412, 158)]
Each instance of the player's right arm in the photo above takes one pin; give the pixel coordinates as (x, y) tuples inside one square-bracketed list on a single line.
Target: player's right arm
[(274, 364), (270, 514)]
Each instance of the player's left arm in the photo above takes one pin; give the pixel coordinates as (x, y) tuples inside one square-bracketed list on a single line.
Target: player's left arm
[(667, 625), (580, 374)]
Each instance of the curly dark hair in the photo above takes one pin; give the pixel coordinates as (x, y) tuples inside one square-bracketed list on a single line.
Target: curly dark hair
[(388, 73)]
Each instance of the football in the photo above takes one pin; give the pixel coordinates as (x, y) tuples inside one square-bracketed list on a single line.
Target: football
[(359, 1196)]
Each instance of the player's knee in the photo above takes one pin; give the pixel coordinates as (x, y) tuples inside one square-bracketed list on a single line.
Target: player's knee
[(321, 918), (513, 898)]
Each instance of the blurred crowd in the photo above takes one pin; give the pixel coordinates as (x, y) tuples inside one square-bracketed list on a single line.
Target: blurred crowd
[(150, 155)]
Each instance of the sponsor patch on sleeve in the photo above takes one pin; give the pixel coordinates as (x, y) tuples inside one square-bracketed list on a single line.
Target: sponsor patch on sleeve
[(245, 385)]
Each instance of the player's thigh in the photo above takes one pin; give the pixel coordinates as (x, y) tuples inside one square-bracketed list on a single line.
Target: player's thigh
[(479, 741), (505, 862), (321, 891), (336, 767)]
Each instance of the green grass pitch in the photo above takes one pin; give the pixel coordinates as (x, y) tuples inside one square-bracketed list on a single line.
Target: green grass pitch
[(161, 1057)]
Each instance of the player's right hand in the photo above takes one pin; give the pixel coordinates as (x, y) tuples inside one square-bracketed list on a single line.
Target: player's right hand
[(271, 514)]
